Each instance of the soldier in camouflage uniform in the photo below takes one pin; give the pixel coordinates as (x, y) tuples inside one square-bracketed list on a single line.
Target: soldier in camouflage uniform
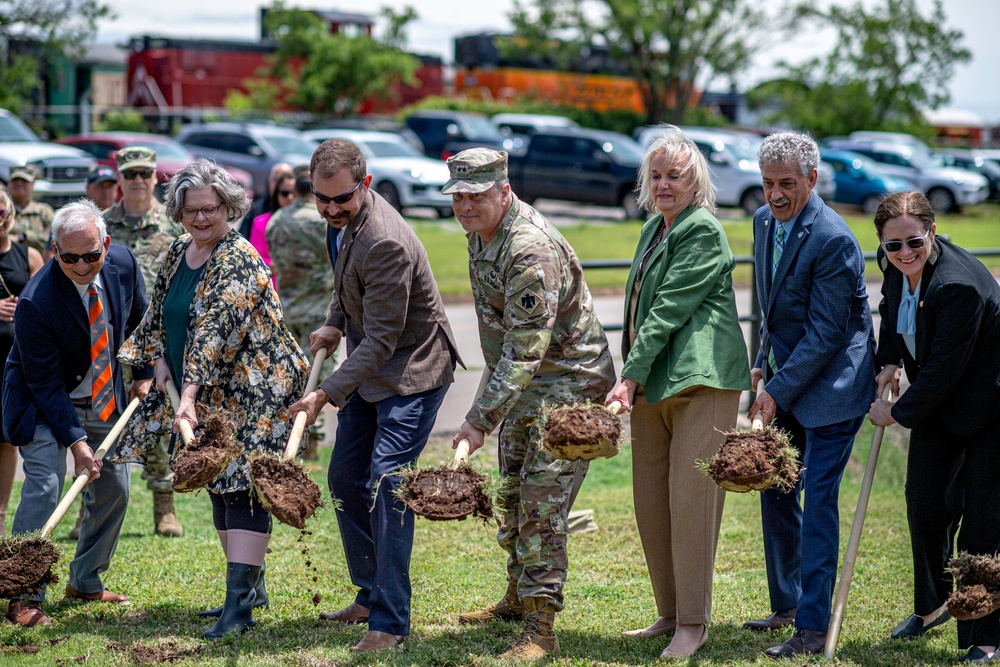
[(296, 238), (139, 222), (543, 345), (34, 219)]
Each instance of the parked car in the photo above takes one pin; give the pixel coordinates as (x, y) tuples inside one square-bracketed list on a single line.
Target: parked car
[(901, 138), (445, 133), (252, 147), (973, 162), (587, 166), (62, 170), (859, 180), (520, 126), (401, 174), (369, 123), (171, 155), (947, 188)]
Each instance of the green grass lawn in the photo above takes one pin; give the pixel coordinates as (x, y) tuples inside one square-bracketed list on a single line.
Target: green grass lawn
[(457, 567), (976, 227)]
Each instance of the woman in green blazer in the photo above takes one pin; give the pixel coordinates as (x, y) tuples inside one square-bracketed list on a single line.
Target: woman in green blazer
[(685, 366)]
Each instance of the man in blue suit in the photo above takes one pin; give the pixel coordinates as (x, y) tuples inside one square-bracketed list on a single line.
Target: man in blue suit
[(63, 389), (817, 359)]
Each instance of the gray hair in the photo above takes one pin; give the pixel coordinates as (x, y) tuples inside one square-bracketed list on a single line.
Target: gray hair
[(675, 146), (785, 147), (78, 215), (204, 173)]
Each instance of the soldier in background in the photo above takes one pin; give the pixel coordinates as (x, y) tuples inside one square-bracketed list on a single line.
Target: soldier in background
[(34, 218), (542, 343), (102, 187), (296, 236)]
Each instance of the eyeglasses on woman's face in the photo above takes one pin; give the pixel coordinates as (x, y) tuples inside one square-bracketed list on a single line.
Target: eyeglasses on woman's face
[(190, 213), (915, 243)]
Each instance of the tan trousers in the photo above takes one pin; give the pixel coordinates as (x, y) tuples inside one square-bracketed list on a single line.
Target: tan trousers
[(678, 509)]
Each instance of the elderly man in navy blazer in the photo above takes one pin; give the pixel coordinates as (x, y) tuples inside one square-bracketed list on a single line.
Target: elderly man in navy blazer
[(817, 359), (63, 389)]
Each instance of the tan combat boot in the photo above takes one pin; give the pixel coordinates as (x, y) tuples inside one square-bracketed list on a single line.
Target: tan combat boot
[(509, 608), (538, 638), (163, 515)]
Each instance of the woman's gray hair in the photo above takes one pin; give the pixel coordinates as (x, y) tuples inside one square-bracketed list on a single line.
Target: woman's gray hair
[(785, 147), (674, 146), (79, 214), (204, 173)]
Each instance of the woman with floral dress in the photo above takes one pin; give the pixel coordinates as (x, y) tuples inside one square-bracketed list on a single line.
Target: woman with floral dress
[(214, 325)]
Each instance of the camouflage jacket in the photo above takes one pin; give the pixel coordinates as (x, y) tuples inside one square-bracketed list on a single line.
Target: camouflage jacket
[(541, 338), (149, 238), (34, 222), (296, 239)]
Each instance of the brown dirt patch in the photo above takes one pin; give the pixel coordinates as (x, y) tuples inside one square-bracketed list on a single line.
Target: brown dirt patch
[(25, 564), (977, 581), (165, 650), (447, 493), (755, 461), (207, 456), (285, 489), (968, 603), (587, 431)]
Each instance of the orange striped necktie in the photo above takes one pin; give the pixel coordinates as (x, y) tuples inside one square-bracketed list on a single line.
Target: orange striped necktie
[(102, 392)]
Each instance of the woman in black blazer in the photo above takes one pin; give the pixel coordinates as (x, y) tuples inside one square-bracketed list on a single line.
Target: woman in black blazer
[(940, 314)]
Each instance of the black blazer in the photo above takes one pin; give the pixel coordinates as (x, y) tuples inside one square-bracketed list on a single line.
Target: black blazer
[(956, 372), (51, 352)]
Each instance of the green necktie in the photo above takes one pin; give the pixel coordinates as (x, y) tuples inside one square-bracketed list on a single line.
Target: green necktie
[(779, 247)]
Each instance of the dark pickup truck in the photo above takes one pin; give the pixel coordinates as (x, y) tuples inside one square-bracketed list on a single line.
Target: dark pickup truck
[(581, 165)]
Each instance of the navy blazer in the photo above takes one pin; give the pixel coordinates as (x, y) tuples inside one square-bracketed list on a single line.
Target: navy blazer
[(956, 372), (51, 352), (815, 317)]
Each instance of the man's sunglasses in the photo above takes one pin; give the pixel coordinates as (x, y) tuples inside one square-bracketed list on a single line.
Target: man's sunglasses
[(132, 173), (916, 243), (286, 193), (89, 257), (339, 199)]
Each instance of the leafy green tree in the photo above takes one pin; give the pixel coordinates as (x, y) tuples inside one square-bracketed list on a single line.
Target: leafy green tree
[(889, 63), (667, 46)]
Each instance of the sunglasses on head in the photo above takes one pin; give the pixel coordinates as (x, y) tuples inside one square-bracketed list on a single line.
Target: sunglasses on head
[(286, 193), (89, 257), (916, 243), (132, 173), (339, 199)]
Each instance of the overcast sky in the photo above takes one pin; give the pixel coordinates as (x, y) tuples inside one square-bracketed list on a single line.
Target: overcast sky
[(974, 88)]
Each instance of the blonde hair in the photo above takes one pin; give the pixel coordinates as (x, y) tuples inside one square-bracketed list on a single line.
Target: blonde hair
[(7, 204), (675, 146)]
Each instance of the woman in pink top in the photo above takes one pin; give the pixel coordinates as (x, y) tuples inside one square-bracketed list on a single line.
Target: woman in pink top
[(283, 195)]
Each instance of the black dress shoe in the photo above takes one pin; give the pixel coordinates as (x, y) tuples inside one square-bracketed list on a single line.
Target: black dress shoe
[(775, 621), (977, 656), (913, 626), (803, 642)]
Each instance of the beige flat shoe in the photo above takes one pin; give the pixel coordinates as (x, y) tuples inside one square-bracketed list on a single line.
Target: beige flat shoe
[(661, 627)]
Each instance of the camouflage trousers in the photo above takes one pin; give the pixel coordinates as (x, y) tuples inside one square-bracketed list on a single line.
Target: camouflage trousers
[(534, 500), (157, 472)]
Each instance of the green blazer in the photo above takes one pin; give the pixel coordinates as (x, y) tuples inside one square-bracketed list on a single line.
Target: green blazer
[(687, 328)]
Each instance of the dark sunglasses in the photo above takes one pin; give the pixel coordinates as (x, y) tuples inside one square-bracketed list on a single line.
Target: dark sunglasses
[(916, 243), (339, 199), (89, 257), (286, 193), (132, 173)]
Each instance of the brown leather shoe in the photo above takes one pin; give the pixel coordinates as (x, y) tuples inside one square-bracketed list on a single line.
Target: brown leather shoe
[(775, 621), (26, 613), (352, 613), (103, 596), (377, 641)]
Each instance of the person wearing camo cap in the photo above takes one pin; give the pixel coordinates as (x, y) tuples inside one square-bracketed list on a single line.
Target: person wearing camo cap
[(543, 344), (102, 187), (34, 218)]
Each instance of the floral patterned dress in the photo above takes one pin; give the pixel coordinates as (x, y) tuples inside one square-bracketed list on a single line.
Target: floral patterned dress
[(237, 349)]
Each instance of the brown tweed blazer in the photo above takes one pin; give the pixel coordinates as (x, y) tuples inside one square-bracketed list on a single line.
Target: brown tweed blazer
[(386, 302)]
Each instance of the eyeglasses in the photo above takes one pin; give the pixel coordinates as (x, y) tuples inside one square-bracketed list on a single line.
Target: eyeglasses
[(91, 257), (339, 199), (142, 173), (286, 193), (207, 212), (916, 243)]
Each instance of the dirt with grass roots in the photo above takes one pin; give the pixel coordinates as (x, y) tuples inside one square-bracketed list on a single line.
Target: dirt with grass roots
[(26, 564), (977, 586), (754, 460), (207, 456), (590, 431), (447, 493), (285, 489)]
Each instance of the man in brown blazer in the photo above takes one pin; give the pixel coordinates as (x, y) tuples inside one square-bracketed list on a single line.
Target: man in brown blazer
[(401, 357)]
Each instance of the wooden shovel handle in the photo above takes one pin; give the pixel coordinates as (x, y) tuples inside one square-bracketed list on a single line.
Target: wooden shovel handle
[(187, 434), (82, 480), (615, 407), (758, 421), (462, 451), (299, 424)]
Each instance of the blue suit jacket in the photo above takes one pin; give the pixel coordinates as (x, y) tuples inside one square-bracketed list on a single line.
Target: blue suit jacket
[(51, 353), (815, 317)]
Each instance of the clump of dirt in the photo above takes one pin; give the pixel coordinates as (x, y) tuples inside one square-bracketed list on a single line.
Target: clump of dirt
[(754, 461), (977, 582), (446, 493), (25, 564), (207, 456), (165, 650), (585, 431), (285, 489), (303, 534)]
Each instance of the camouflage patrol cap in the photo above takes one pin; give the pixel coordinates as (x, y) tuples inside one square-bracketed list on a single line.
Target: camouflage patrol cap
[(135, 157), (28, 172), (475, 170)]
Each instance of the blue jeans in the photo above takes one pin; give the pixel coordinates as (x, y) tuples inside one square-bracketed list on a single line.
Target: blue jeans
[(802, 541), (375, 440), (105, 500)]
